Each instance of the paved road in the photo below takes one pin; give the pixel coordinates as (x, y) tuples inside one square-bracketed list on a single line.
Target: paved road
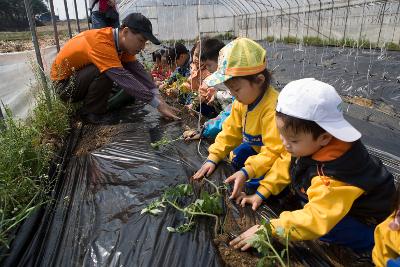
[(16, 77)]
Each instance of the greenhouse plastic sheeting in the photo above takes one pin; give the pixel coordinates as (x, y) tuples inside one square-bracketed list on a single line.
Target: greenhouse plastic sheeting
[(96, 220)]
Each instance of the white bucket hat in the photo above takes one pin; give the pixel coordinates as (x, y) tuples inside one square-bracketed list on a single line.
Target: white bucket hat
[(313, 100)]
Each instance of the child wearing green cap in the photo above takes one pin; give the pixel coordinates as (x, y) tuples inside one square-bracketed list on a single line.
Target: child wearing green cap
[(249, 134)]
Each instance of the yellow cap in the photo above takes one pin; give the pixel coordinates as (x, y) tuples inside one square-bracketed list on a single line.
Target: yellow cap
[(241, 57)]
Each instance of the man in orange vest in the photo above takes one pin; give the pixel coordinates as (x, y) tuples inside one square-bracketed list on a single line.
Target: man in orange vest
[(88, 64)]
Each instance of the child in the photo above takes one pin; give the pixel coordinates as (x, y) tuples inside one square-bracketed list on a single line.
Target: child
[(178, 60), (220, 95), (387, 239), (198, 73), (345, 192), (160, 71), (249, 132), (209, 58), (198, 70)]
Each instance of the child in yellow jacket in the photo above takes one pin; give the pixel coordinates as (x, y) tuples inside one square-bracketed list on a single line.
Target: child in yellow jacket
[(387, 239), (345, 191), (249, 133)]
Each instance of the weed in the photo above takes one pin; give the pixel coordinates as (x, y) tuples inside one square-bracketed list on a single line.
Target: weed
[(26, 149), (164, 141)]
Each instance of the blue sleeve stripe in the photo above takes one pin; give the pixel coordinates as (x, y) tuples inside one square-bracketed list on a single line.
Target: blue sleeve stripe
[(260, 195), (209, 160), (245, 172)]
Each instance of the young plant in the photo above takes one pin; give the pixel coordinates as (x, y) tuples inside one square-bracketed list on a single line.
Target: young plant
[(207, 205), (263, 242), (164, 141)]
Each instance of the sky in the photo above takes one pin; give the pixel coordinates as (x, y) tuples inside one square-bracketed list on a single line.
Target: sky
[(60, 10)]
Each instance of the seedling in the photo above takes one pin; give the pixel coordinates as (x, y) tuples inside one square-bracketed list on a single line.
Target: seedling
[(164, 141), (262, 241), (207, 205)]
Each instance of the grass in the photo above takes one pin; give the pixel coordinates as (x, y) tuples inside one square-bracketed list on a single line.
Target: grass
[(317, 41), (26, 149)]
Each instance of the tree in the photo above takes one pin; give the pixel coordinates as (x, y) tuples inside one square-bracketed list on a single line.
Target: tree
[(13, 14)]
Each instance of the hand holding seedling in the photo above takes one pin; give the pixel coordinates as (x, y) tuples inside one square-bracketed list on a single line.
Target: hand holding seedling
[(206, 170), (254, 200), (238, 178), (242, 241)]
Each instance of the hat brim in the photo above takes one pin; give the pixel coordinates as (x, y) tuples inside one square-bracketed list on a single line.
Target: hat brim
[(151, 38), (216, 78), (342, 130)]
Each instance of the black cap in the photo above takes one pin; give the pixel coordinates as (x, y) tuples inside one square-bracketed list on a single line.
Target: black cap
[(140, 24)]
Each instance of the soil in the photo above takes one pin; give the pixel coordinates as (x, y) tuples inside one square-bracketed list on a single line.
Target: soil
[(22, 41), (365, 102), (96, 136), (233, 257)]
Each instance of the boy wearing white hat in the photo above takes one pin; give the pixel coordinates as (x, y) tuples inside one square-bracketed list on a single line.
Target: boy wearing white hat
[(345, 192)]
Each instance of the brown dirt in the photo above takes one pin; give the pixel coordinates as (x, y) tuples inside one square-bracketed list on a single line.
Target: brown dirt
[(96, 136), (233, 257), (189, 117), (365, 102), (231, 228), (45, 36)]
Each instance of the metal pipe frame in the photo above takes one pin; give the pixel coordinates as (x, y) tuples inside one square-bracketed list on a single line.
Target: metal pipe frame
[(54, 22), (382, 16), (67, 16), (77, 17), (87, 14)]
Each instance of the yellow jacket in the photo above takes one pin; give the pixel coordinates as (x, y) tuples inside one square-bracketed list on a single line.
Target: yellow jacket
[(387, 243), (258, 128), (329, 201)]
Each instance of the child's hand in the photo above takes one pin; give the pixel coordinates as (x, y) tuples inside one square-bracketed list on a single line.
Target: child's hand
[(238, 178), (254, 200), (191, 135), (211, 92), (205, 170), (395, 224), (242, 239)]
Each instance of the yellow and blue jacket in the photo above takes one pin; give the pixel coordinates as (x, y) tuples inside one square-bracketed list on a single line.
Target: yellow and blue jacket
[(339, 179), (387, 243), (255, 125)]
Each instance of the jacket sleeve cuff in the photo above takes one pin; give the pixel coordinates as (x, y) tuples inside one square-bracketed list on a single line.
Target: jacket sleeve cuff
[(213, 158), (263, 192), (155, 102), (213, 162), (245, 173), (250, 172), (275, 224)]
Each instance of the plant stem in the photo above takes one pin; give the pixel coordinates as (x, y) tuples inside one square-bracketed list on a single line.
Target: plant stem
[(214, 185), (196, 213), (276, 253)]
